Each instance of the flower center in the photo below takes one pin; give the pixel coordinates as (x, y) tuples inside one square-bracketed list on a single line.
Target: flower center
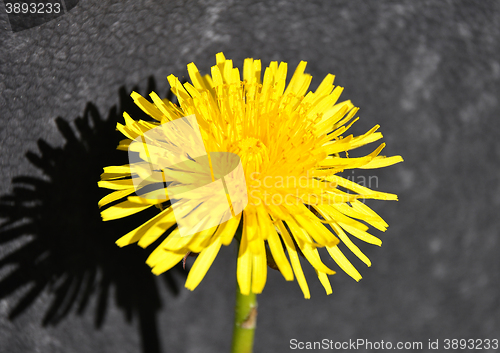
[(252, 145), (253, 154)]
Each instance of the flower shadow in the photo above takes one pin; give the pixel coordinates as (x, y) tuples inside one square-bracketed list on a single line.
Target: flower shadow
[(67, 250)]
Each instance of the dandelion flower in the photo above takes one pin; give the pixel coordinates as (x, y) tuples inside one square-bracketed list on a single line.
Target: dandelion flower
[(292, 145)]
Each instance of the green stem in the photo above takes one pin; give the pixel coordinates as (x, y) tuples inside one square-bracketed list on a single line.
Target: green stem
[(244, 322)]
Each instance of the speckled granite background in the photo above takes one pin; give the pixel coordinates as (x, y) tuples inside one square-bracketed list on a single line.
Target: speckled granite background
[(428, 72)]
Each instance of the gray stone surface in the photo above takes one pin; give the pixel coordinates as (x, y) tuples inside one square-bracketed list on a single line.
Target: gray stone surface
[(428, 72)]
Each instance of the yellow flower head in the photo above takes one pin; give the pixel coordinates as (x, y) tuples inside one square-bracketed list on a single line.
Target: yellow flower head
[(289, 142)]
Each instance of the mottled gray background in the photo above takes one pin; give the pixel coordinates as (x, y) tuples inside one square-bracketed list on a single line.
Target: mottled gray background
[(428, 72)]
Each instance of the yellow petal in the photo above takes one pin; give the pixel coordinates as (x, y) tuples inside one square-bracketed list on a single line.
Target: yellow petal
[(244, 265), (160, 252), (312, 255), (329, 212), (154, 197), (147, 107), (151, 229), (229, 229), (115, 172), (259, 268), (275, 245), (116, 184), (326, 86), (195, 77), (366, 237), (323, 278), (382, 161), (362, 208), (343, 263), (294, 258), (297, 79), (203, 263), (350, 245), (169, 260), (115, 195), (168, 113), (123, 209), (350, 211)]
